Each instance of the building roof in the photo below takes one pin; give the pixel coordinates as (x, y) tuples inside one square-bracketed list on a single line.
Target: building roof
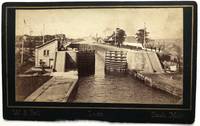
[(130, 39), (133, 44), (46, 43)]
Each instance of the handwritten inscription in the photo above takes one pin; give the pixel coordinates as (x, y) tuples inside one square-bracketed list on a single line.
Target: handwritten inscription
[(95, 114), (167, 115), (24, 112)]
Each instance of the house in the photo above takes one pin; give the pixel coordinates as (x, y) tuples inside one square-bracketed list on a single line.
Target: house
[(130, 39), (49, 55), (45, 53), (133, 45)]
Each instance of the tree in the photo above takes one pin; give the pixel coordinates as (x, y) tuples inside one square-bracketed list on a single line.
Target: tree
[(119, 36), (176, 51), (142, 36)]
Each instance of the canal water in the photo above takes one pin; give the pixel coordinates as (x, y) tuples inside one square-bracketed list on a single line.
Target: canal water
[(101, 88)]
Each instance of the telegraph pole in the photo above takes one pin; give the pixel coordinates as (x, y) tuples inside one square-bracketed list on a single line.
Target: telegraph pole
[(144, 42), (43, 32), (23, 39), (115, 36), (22, 53)]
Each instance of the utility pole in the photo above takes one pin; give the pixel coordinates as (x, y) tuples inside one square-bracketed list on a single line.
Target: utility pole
[(115, 35), (23, 39), (22, 53), (43, 33), (30, 32), (144, 42), (96, 37)]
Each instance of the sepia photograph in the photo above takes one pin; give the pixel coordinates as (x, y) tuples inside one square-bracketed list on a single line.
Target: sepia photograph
[(106, 61), (99, 55)]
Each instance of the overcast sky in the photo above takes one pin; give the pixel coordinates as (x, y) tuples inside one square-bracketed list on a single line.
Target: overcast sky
[(161, 23)]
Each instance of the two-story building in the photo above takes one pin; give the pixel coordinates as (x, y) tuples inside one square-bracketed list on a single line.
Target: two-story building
[(45, 53), (49, 55)]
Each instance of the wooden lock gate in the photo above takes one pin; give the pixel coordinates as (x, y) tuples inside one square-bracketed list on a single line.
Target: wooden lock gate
[(115, 61), (86, 62)]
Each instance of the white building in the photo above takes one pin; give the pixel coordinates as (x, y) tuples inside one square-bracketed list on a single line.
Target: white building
[(46, 53), (49, 55)]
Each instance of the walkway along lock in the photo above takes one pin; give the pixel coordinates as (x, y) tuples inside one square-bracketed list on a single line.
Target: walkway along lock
[(86, 62), (115, 61)]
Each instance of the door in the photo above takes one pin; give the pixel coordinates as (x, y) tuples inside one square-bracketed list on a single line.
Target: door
[(51, 62)]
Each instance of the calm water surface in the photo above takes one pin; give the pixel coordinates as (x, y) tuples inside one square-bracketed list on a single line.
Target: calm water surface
[(101, 88)]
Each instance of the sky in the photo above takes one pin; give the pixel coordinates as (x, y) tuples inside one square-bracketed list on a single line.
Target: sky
[(162, 23)]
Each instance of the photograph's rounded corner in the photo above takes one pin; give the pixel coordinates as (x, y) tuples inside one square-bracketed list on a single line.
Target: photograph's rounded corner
[(5, 116), (50, 83), (195, 4), (192, 120), (6, 4)]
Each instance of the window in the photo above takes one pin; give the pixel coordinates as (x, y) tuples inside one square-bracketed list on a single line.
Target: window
[(46, 53)]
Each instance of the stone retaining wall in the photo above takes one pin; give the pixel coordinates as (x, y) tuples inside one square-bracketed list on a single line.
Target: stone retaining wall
[(148, 80), (174, 90)]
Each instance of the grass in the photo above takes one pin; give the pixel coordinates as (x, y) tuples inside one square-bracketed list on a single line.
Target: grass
[(26, 85)]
